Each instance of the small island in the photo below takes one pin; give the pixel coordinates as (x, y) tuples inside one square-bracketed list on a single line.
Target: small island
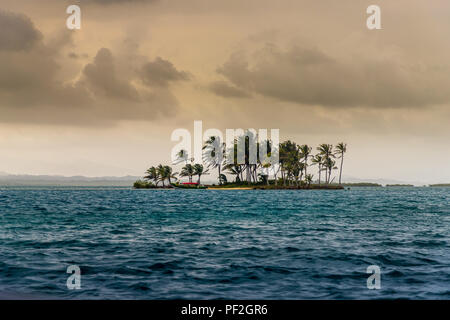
[(362, 184), (294, 170), (440, 185)]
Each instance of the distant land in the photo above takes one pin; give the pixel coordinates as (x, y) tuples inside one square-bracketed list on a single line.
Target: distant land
[(383, 182), (77, 181), (361, 184), (399, 185), (127, 181)]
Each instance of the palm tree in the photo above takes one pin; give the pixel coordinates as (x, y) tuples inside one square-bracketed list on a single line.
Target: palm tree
[(265, 162), (341, 148), (152, 174), (329, 164), (308, 179), (248, 142), (213, 154), (305, 151), (169, 174), (161, 173), (223, 178), (199, 170), (317, 159), (297, 171), (232, 166), (265, 172), (289, 155), (235, 170), (326, 151), (187, 171), (182, 156)]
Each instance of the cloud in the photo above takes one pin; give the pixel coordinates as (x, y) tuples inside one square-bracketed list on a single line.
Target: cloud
[(103, 80), (35, 89), (17, 32), (223, 89), (312, 77), (161, 72), (74, 55)]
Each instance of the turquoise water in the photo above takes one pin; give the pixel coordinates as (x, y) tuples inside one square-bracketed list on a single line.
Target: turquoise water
[(209, 244)]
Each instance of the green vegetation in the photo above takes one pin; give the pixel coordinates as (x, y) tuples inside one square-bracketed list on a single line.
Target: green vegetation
[(187, 186), (156, 175), (440, 185), (311, 186), (362, 184), (161, 174), (294, 161), (341, 148), (141, 184), (399, 185)]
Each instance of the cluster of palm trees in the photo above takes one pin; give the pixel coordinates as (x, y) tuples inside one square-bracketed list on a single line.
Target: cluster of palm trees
[(292, 168), (190, 170), (160, 174), (295, 160)]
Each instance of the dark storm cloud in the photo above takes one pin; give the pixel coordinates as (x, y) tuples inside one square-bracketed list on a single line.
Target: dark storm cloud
[(33, 89), (17, 32), (161, 72), (223, 89), (102, 78), (312, 77)]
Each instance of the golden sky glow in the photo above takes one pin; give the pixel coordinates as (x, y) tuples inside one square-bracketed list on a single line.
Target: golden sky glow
[(104, 100)]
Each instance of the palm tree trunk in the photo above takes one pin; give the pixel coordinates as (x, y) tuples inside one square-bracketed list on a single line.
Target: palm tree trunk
[(320, 169), (340, 170), (220, 179), (306, 165)]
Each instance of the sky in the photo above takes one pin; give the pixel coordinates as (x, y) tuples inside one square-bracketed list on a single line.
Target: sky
[(104, 100)]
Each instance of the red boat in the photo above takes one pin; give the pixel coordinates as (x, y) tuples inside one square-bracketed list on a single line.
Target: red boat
[(189, 185)]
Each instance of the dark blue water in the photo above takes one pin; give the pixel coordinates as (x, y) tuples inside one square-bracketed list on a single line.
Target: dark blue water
[(243, 244)]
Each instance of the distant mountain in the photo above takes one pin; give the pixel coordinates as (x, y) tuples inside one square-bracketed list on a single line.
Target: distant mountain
[(381, 181), (48, 180)]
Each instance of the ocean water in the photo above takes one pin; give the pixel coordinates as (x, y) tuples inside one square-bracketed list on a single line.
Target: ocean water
[(213, 244)]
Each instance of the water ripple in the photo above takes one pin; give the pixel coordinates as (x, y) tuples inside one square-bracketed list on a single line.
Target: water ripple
[(205, 244)]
